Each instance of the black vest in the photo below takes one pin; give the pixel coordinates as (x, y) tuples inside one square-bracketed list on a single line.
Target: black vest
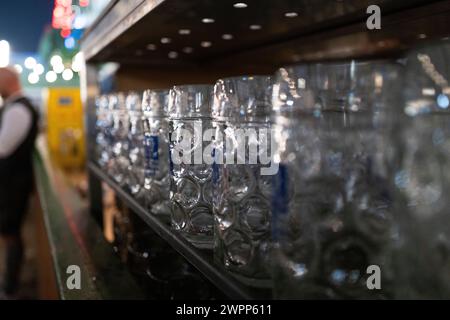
[(16, 171)]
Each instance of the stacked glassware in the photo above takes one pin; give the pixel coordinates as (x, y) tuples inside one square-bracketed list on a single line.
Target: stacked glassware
[(331, 180), (242, 192), (118, 163), (191, 191), (156, 181), (101, 134), (332, 202), (135, 143), (422, 175)]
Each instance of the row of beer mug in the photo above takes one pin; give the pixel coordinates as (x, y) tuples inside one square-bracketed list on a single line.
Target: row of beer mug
[(324, 180)]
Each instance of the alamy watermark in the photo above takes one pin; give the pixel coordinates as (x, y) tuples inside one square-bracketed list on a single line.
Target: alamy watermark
[(233, 146), (73, 281), (374, 20), (374, 280)]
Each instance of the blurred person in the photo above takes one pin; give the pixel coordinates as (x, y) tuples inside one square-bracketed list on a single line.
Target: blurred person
[(18, 131)]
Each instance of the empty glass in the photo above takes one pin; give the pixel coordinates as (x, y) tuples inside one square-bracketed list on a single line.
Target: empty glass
[(189, 115), (116, 102), (156, 153), (108, 131), (241, 197), (101, 125), (136, 161), (423, 175), (120, 147), (332, 200)]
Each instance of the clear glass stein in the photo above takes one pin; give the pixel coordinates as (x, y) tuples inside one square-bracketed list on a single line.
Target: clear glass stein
[(111, 129), (156, 153), (135, 170), (101, 141), (189, 115), (119, 158), (242, 193), (423, 175), (332, 200), (108, 134)]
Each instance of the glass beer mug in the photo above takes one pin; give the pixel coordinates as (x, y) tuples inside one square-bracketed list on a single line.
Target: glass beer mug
[(135, 170), (241, 200), (101, 141), (117, 133), (423, 175), (191, 191), (156, 153), (332, 202)]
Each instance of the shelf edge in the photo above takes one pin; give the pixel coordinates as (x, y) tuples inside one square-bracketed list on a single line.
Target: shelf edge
[(197, 258)]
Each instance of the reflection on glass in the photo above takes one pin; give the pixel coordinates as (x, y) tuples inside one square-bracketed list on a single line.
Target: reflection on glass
[(241, 194), (423, 175), (189, 116), (332, 201)]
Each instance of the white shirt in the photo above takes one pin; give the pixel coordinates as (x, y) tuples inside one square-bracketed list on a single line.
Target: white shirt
[(15, 124)]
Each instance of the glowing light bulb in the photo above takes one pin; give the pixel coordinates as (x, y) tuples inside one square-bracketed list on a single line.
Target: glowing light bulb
[(51, 76), (30, 62), (67, 74)]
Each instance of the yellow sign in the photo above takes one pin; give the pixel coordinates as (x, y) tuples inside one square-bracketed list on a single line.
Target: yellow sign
[(65, 129)]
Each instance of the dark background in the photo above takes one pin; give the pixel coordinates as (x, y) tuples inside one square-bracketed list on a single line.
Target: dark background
[(22, 22)]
